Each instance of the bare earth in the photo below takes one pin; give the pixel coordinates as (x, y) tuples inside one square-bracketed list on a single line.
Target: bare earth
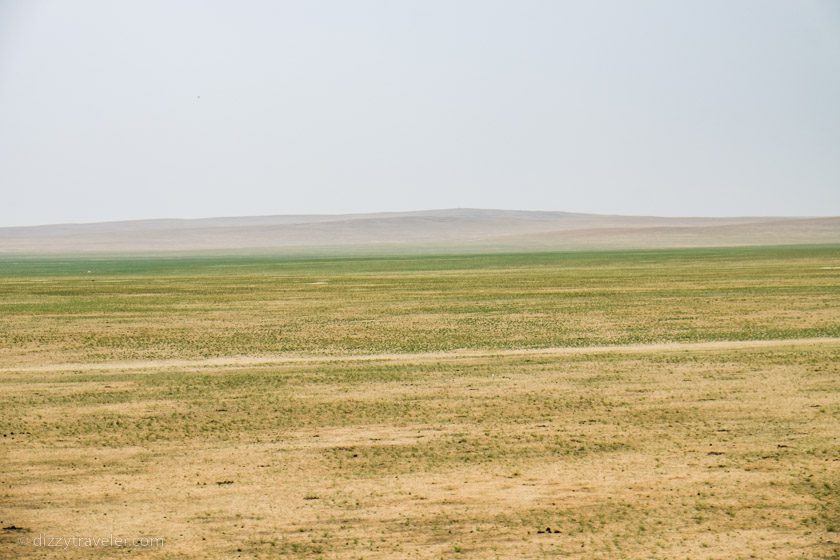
[(640, 451), (419, 356)]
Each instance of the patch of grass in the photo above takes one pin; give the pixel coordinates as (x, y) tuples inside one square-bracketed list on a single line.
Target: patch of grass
[(192, 307)]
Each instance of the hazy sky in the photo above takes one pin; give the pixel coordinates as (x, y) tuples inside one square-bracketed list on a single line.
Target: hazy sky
[(136, 109)]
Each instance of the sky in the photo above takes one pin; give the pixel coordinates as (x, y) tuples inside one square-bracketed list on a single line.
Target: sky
[(178, 108)]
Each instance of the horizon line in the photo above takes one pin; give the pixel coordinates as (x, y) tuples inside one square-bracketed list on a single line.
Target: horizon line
[(415, 211)]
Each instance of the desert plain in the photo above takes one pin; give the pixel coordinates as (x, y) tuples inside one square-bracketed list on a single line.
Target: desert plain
[(644, 403)]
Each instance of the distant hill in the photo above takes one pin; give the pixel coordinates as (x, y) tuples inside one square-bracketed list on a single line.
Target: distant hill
[(433, 230)]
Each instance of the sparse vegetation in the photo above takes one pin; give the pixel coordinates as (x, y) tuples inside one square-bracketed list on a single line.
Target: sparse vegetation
[(368, 432)]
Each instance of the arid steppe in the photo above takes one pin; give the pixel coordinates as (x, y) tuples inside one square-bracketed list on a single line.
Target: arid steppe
[(677, 403)]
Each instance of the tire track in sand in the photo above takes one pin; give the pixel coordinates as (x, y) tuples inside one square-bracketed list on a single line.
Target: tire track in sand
[(232, 361)]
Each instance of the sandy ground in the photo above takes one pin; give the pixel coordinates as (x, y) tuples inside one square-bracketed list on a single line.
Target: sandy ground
[(713, 450), (422, 356)]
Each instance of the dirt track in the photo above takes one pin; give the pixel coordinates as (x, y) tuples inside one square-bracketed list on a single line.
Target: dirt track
[(423, 356)]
